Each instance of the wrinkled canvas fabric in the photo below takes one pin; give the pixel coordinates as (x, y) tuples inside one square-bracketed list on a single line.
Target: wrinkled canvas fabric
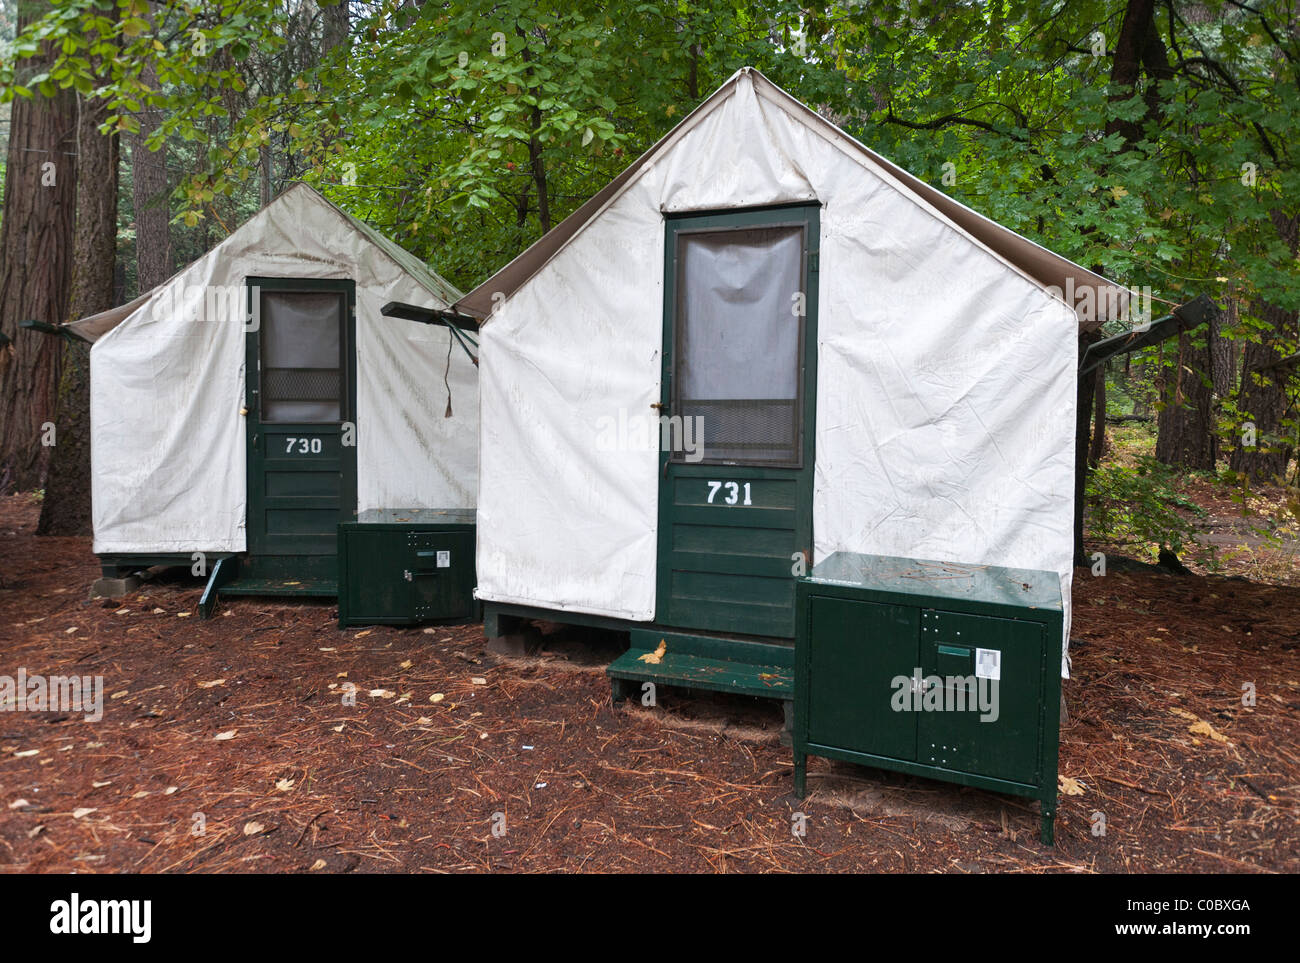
[(946, 377), (167, 387)]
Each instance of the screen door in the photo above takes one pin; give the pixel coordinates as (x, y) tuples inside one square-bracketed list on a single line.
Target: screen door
[(300, 423), (736, 459)]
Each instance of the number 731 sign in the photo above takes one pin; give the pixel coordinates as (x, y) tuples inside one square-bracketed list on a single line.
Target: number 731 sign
[(732, 494)]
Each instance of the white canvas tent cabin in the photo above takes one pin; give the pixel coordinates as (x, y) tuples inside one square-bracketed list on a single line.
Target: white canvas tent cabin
[(878, 369), (244, 408)]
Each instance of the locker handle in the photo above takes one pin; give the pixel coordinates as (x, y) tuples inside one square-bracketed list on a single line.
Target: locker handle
[(954, 650), (429, 554)]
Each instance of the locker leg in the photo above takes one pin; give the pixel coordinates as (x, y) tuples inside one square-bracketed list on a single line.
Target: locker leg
[(787, 731), (1048, 831), (800, 774)]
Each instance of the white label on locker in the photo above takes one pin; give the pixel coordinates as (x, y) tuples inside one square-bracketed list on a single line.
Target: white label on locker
[(444, 560), (988, 664)]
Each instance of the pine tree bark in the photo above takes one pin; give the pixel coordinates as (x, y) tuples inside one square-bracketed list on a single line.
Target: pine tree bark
[(1184, 427), (1263, 393), (35, 270), (66, 507), (1087, 390), (150, 197), (335, 26), (1098, 446)]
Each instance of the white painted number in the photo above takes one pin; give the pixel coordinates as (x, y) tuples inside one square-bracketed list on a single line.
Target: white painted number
[(304, 446), (733, 492)]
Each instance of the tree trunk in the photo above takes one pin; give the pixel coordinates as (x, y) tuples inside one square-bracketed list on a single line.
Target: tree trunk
[(153, 248), (335, 26), (1184, 426), (1082, 429), (35, 270), (265, 165), (1263, 393), (536, 162), (66, 507), (1098, 446)]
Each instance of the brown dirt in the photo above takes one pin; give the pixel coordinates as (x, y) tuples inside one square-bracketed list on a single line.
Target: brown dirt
[(400, 783)]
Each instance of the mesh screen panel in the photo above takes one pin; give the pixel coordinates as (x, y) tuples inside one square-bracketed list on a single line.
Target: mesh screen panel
[(301, 380), (737, 343)]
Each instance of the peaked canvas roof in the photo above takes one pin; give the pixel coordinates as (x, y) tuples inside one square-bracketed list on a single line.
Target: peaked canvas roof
[(95, 326), (1046, 267)]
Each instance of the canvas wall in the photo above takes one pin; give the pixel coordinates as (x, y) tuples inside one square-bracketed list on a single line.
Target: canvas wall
[(167, 388), (945, 403)]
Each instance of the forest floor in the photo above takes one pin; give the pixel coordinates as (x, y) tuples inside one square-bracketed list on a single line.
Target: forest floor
[(226, 745)]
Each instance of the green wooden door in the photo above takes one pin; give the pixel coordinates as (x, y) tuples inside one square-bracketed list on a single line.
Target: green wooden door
[(739, 378), (301, 417)]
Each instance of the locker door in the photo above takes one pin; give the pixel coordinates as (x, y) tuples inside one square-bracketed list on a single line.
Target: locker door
[(999, 737), (857, 651)]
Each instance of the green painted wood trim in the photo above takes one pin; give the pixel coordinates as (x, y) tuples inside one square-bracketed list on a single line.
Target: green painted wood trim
[(258, 501), (716, 614)]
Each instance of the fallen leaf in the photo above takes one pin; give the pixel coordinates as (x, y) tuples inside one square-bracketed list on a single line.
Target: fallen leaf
[(382, 693), (478, 680), (182, 615), (252, 829), (1199, 727), (339, 728), (437, 697), (79, 813), (101, 785), (35, 831), (169, 790), (655, 657), (1071, 787), (214, 682), (25, 753), (120, 694), (319, 864), (223, 736), (19, 804), (405, 665), (284, 785)]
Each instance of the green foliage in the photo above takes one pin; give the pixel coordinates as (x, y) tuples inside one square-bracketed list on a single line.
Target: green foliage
[(463, 129), (1138, 507)]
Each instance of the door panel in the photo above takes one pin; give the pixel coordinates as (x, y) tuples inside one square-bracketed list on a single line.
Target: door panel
[(438, 563), (300, 385), (739, 330), (857, 650), (1003, 741)]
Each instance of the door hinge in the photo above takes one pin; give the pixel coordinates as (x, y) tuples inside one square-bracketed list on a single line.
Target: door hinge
[(814, 260)]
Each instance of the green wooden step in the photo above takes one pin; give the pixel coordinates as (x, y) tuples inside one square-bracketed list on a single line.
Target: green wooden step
[(700, 672), (277, 586)]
